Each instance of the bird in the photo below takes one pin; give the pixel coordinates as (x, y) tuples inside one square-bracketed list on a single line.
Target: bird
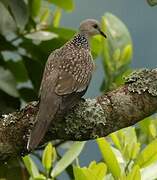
[(65, 80)]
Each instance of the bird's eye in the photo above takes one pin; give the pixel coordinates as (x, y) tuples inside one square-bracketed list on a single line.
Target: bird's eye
[(95, 26)]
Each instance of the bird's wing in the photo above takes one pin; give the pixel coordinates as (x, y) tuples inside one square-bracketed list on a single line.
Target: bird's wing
[(72, 77), (68, 84), (75, 80)]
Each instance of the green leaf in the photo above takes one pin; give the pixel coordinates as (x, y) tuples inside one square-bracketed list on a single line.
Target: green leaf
[(40, 177), (45, 15), (6, 45), (31, 167), (148, 155), (93, 172), (96, 46), (7, 23), (34, 69), (130, 145), (66, 5), (152, 130), (81, 173), (116, 50), (41, 35), (144, 125), (18, 9), (109, 157), (152, 2), (48, 156), (115, 140), (135, 148), (28, 94), (126, 53), (126, 141), (63, 32), (116, 54), (8, 83), (98, 170), (148, 131), (117, 33), (68, 158), (149, 172), (57, 17), (18, 70), (134, 174), (35, 7)]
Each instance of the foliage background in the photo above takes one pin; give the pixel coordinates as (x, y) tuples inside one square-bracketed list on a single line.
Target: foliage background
[(23, 56)]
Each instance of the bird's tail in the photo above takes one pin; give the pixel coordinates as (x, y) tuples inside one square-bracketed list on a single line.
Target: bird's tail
[(46, 113)]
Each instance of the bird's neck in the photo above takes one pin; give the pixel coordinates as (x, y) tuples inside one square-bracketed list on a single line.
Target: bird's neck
[(81, 40)]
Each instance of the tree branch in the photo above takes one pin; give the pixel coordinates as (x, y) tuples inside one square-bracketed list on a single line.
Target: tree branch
[(91, 118)]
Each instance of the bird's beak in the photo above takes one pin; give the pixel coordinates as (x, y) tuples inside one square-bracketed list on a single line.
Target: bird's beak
[(102, 33)]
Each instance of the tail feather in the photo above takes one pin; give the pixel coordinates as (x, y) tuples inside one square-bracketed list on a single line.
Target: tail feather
[(47, 110), (37, 134)]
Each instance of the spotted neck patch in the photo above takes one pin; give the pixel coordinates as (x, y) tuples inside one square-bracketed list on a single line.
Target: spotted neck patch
[(80, 40)]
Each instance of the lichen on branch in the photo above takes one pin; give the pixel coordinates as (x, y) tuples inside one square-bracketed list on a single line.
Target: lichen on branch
[(90, 119)]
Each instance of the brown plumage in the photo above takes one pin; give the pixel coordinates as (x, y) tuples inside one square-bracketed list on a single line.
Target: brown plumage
[(66, 78)]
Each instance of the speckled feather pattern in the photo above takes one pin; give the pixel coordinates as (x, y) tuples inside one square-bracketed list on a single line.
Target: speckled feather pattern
[(73, 63)]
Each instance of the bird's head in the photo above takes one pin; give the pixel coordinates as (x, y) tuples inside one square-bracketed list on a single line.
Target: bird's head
[(91, 27)]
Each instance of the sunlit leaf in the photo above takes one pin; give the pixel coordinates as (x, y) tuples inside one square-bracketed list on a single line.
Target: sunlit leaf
[(126, 141), (118, 155), (96, 46), (116, 54), (117, 51), (66, 5), (109, 157), (148, 155), (115, 140), (8, 83), (126, 53), (48, 156), (40, 177), (81, 173), (45, 15), (93, 172), (144, 126), (149, 172), (68, 158), (130, 145), (31, 166), (98, 170), (56, 17), (152, 130), (117, 33), (134, 173)]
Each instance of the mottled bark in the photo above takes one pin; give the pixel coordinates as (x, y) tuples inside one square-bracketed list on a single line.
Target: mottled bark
[(90, 119)]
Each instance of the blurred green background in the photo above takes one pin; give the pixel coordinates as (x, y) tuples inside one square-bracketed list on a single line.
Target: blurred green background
[(29, 31)]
